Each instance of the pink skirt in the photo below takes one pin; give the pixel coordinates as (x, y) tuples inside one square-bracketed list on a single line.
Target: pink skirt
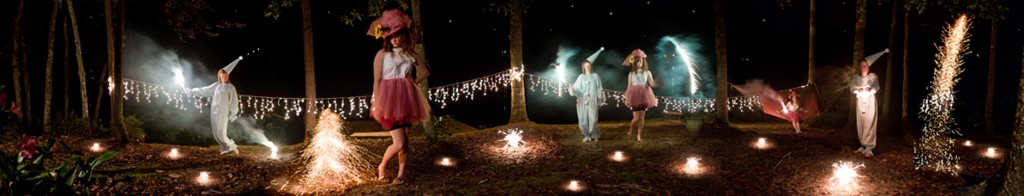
[(640, 97), (399, 103)]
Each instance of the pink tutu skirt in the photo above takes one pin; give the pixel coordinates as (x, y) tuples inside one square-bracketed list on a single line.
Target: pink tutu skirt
[(640, 97), (399, 103)]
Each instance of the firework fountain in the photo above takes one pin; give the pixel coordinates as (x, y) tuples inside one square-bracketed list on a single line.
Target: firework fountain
[(332, 162), (935, 148), (844, 178)]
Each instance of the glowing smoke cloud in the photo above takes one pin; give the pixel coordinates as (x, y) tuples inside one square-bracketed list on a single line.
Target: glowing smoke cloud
[(255, 135), (561, 62)]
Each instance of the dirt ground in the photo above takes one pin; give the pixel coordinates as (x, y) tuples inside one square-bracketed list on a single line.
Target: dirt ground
[(795, 164)]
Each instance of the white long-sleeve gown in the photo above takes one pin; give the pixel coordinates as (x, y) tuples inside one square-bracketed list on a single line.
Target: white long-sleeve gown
[(867, 118), (223, 107), (587, 90)]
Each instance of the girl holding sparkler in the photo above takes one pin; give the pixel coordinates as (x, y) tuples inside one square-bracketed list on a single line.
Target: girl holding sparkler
[(397, 103), (589, 98), (223, 106), (639, 96), (864, 85)]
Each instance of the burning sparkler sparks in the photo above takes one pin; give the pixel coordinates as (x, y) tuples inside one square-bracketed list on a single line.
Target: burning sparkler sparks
[(204, 178), (513, 139), (844, 177), (96, 147), (332, 162), (691, 67), (934, 148), (179, 77)]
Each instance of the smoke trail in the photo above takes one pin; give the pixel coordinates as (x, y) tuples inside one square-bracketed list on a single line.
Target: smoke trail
[(254, 135), (684, 71)]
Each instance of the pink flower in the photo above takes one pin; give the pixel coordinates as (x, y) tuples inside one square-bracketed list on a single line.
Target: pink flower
[(27, 147)]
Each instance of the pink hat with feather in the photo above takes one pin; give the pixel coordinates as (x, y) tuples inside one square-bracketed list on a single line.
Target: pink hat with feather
[(388, 23), (637, 53)]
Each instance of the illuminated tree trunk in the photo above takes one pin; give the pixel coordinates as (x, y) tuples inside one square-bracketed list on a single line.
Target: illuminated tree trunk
[(990, 87), (48, 86), (810, 44), (417, 28), (101, 87), (721, 70), (516, 52), (116, 121), (16, 61), (307, 51), (81, 65), (1014, 180), (887, 88)]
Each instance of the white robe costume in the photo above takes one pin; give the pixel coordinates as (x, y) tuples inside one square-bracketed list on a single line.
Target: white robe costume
[(223, 108), (589, 99), (864, 88)]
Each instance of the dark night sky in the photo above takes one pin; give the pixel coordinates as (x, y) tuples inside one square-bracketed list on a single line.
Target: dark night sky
[(464, 40)]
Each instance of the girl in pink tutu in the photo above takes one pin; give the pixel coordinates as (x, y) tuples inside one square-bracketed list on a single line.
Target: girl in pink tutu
[(639, 96), (397, 103)]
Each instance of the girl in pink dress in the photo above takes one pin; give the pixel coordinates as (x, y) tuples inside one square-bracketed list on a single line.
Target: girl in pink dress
[(639, 96), (397, 103)]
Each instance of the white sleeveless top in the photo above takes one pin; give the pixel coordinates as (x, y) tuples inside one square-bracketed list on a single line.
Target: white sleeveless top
[(396, 64), (640, 77)]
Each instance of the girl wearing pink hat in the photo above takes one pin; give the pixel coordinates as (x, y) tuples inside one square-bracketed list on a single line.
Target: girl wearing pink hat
[(639, 96), (397, 103)]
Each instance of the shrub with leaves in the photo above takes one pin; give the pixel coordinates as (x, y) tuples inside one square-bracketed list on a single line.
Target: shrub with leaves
[(26, 174)]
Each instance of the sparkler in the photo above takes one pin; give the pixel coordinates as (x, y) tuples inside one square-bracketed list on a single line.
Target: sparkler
[(691, 67), (332, 162), (844, 177), (935, 148), (96, 147), (179, 78), (204, 178), (513, 139)]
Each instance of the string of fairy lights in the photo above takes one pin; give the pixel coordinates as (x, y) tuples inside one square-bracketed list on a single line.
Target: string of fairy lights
[(359, 106)]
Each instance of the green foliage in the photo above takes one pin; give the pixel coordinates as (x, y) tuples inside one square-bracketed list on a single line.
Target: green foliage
[(275, 7), (76, 176), (373, 9), (72, 124)]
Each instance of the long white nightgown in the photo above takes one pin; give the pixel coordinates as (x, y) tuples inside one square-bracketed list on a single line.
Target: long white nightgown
[(587, 90), (864, 87)]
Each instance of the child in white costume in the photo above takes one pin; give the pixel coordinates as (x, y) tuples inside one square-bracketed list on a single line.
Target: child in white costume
[(589, 98), (864, 85)]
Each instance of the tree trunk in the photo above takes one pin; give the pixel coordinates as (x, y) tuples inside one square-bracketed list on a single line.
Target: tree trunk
[(990, 87), (81, 65), (516, 53), (810, 45), (858, 54), (66, 42), (417, 28), (307, 50), (15, 60), (721, 66), (1013, 184), (887, 88), (904, 122), (101, 86), (116, 125), (48, 86)]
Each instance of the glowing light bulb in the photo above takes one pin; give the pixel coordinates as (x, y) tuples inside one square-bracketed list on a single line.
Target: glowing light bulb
[(447, 162), (96, 147), (762, 143), (618, 156), (174, 153), (991, 153), (204, 178), (574, 186), (968, 143)]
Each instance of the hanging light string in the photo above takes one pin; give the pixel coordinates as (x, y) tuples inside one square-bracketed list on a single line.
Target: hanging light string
[(358, 106)]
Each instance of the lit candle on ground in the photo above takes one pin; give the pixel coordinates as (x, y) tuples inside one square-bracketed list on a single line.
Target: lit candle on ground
[(618, 156), (447, 162), (174, 153), (761, 143), (96, 147), (204, 178), (574, 186), (968, 143), (692, 166), (991, 153)]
